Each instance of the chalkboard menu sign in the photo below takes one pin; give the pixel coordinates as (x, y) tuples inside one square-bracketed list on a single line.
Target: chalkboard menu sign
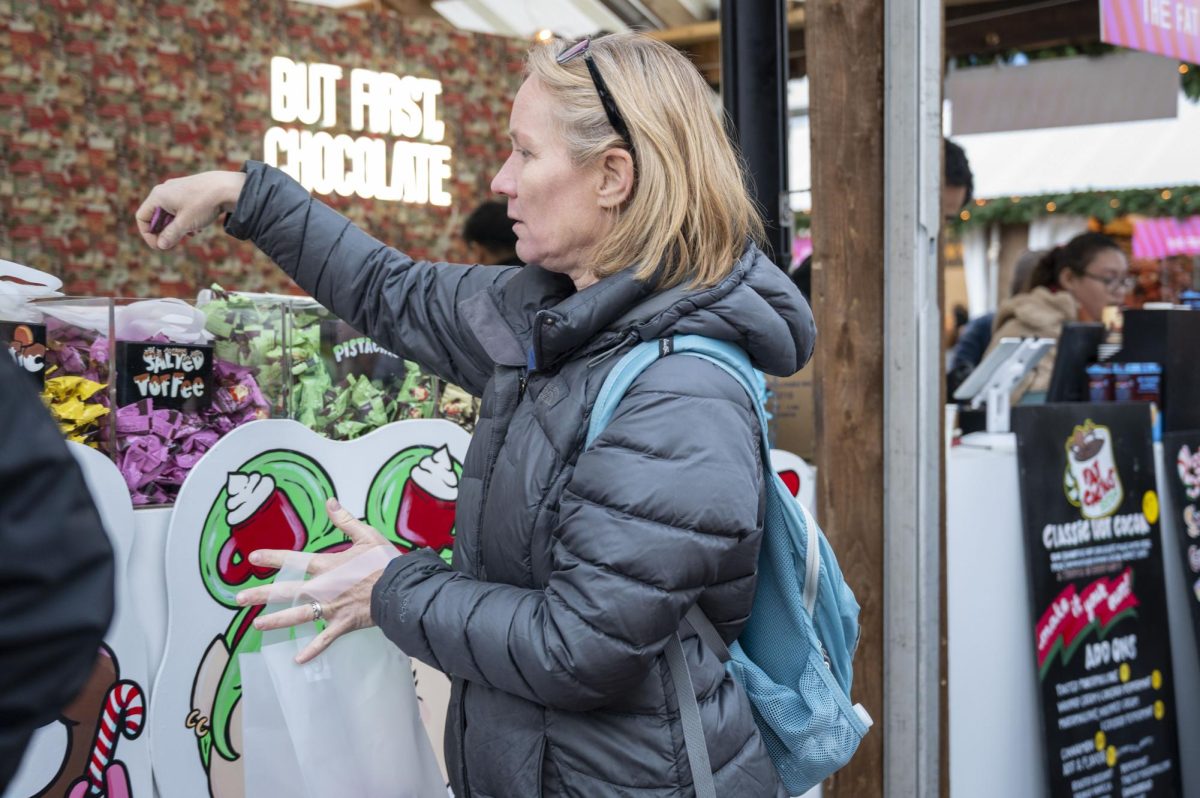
[(1099, 624), (26, 343), (175, 376)]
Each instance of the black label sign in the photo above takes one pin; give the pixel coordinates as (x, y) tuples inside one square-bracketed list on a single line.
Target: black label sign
[(26, 343), (347, 351), (1181, 456), (176, 376), (1099, 623)]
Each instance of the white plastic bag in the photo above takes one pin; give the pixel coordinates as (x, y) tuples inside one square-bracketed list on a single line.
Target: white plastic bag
[(269, 760), (350, 715)]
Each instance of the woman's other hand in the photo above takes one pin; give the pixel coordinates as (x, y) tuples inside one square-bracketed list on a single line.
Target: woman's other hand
[(195, 201), (342, 583)]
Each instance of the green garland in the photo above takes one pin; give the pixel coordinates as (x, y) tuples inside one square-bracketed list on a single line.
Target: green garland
[(1105, 206)]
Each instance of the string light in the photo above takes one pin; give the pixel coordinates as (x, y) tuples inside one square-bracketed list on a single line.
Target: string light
[(1183, 69), (1101, 206), (544, 35)]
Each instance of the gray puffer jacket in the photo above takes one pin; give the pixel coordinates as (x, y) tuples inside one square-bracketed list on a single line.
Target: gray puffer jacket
[(572, 568)]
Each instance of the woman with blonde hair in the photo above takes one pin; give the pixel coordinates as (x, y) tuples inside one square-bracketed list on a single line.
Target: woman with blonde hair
[(573, 567)]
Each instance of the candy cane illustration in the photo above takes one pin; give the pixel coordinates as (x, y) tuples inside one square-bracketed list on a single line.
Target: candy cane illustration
[(124, 713)]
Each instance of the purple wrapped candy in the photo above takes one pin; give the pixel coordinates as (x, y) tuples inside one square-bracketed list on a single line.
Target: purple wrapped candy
[(160, 220), (157, 447)]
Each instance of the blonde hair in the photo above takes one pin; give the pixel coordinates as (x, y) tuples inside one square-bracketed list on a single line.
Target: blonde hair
[(690, 214)]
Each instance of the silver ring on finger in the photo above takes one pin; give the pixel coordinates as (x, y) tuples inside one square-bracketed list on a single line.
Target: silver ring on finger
[(318, 613)]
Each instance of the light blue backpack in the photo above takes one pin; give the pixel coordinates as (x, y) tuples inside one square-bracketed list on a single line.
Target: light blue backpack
[(794, 655)]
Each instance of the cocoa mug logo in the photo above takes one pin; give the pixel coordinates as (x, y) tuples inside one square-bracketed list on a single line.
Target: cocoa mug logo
[(1091, 481), (27, 353), (260, 517), (428, 501)]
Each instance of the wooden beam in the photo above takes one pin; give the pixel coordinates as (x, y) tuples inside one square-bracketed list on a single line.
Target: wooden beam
[(845, 48), (672, 12), (687, 35), (410, 8), (702, 44)]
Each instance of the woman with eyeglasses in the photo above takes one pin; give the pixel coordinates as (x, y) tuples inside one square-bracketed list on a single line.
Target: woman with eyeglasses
[(572, 567), (1072, 282)]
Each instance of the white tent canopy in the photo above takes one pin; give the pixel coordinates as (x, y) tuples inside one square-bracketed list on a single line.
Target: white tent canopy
[(1159, 153)]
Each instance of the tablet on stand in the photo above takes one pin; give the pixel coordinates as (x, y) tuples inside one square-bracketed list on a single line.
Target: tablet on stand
[(994, 379)]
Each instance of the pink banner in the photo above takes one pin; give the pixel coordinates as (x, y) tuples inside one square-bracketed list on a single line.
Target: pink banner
[(1162, 238), (801, 248), (1166, 27)]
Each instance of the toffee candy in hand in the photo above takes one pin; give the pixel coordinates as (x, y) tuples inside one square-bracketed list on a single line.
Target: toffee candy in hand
[(160, 220)]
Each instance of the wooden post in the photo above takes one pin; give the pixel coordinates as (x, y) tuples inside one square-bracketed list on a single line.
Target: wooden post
[(845, 41)]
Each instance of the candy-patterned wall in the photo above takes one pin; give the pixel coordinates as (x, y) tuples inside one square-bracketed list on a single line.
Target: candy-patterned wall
[(101, 99)]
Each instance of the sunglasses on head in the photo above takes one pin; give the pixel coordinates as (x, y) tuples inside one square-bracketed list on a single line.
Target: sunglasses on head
[(606, 99)]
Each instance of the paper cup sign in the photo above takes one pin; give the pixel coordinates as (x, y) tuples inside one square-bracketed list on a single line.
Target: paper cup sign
[(264, 486), (174, 376), (1091, 479), (27, 345)]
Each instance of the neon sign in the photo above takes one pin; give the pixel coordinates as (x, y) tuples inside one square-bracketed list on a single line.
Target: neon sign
[(383, 106)]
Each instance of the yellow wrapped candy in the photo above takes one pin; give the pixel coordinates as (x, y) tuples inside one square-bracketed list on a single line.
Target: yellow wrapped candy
[(67, 398)]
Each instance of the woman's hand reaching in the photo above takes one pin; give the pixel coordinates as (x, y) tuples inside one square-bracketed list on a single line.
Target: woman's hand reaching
[(341, 585), (195, 201)]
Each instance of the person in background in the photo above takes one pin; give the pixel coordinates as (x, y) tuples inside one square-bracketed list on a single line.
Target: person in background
[(1072, 282), (56, 573), (958, 184), (802, 277), (959, 312), (489, 234), (973, 339)]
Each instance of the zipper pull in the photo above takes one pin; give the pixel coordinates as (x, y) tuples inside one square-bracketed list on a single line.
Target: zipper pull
[(603, 356), (521, 385)]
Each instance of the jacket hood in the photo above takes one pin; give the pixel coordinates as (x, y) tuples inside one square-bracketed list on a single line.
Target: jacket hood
[(1040, 312), (756, 307)]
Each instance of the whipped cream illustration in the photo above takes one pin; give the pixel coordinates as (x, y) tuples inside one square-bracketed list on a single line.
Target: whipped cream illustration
[(435, 475), (247, 493)]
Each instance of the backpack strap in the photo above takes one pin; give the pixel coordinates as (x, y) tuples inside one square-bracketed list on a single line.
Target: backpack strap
[(707, 632), (733, 361), (617, 383)]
